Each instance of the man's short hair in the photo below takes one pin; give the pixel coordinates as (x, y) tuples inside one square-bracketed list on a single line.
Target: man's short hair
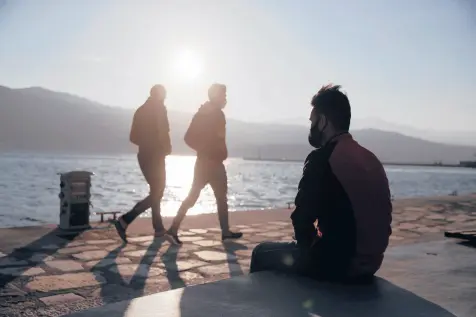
[(215, 90), (334, 104), (157, 90)]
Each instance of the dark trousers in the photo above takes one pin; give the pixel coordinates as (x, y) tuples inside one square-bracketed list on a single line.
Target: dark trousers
[(206, 172), (284, 257), (153, 169), (289, 258)]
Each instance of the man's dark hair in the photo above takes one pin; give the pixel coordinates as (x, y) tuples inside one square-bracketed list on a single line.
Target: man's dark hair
[(334, 104)]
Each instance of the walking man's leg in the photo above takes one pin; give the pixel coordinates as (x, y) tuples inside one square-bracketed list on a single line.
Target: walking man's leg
[(154, 173), (277, 256), (157, 188), (219, 185), (200, 180)]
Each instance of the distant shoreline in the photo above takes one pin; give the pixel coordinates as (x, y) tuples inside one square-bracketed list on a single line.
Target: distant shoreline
[(384, 163), (463, 164)]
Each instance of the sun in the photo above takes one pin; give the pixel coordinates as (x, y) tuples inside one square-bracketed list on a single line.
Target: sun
[(188, 65)]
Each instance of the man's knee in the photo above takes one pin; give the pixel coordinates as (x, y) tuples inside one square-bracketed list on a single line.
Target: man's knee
[(258, 250), (191, 199), (259, 257), (254, 263), (156, 194)]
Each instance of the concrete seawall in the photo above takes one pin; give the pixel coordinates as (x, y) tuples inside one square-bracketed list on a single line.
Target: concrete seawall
[(43, 274)]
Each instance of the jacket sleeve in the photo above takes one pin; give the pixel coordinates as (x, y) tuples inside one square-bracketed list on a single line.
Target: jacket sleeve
[(307, 200), (134, 136), (221, 148), (164, 130), (192, 136)]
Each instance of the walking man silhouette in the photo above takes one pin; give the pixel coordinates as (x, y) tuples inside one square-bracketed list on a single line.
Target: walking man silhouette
[(206, 135), (150, 132)]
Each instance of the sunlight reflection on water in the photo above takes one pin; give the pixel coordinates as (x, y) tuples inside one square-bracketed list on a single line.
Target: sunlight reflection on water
[(29, 185)]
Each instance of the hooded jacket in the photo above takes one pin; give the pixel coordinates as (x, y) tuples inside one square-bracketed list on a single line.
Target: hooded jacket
[(207, 133)]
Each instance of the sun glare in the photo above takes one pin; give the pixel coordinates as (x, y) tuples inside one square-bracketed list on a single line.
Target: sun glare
[(188, 65)]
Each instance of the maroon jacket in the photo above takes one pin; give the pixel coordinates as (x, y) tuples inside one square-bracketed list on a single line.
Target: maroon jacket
[(345, 188)]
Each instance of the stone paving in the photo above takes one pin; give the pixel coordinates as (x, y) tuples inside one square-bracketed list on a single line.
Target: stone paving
[(95, 268)]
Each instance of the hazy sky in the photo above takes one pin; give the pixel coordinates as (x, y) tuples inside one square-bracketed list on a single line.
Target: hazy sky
[(408, 61)]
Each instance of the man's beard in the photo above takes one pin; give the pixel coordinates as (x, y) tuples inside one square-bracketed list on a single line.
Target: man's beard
[(316, 136)]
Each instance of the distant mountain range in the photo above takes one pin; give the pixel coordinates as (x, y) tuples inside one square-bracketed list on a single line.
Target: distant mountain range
[(36, 119)]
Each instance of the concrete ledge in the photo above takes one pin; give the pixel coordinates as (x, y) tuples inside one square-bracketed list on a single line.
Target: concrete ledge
[(427, 279), (267, 294)]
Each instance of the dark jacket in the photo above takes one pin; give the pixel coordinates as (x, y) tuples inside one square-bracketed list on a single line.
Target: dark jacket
[(344, 187), (150, 129), (207, 133)]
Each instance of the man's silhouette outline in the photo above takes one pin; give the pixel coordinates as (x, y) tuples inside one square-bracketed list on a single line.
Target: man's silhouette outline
[(150, 132), (207, 136)]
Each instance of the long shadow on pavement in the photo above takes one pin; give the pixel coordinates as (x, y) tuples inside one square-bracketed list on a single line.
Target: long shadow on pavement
[(232, 259), (169, 258), (139, 279), (26, 257), (110, 272)]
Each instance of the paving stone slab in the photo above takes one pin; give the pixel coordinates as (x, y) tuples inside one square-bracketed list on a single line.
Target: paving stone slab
[(9, 261), (72, 250), (137, 270), (435, 217), (119, 247), (22, 271), (65, 265), (199, 231), (61, 299), (91, 255), (191, 238), (141, 253), (250, 230), (407, 226), (40, 257), (408, 234), (415, 209), (100, 242), (279, 223), (427, 229), (207, 243), (106, 262), (188, 276), (241, 227), (272, 234), (140, 239), (214, 229), (412, 217), (48, 283), (244, 253), (186, 233), (50, 247), (10, 290), (183, 249), (210, 270), (458, 218), (183, 265), (76, 244), (214, 256)]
